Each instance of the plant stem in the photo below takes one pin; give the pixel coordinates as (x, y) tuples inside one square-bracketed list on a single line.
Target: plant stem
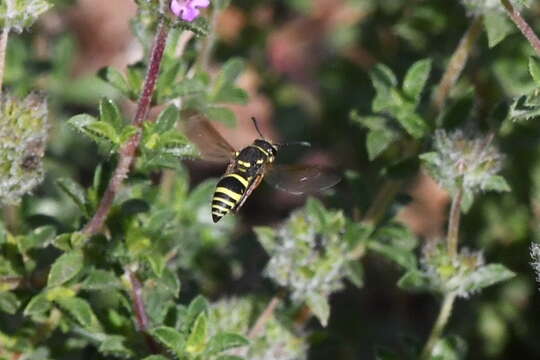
[(140, 312), (210, 41), (453, 224), (3, 46), (456, 65), (438, 327), (382, 200), (522, 25), (265, 316), (128, 151)]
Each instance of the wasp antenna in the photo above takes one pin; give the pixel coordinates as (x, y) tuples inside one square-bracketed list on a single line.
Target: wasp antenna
[(300, 143), (257, 126)]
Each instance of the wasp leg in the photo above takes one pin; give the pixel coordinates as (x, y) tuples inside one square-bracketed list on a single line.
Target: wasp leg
[(248, 192)]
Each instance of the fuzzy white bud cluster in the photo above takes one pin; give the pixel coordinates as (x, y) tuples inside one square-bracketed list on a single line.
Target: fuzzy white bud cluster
[(23, 136), (21, 14), (275, 343), (477, 7)]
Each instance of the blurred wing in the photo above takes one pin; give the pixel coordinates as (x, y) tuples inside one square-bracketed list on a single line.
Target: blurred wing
[(211, 144), (301, 179)]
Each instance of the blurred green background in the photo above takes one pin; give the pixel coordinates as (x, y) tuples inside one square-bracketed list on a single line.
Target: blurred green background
[(307, 69)]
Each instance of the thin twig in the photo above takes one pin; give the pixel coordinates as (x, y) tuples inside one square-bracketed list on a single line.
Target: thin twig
[(438, 327), (522, 25), (3, 46), (208, 45), (128, 151), (265, 316), (456, 64), (453, 224), (141, 317), (381, 202)]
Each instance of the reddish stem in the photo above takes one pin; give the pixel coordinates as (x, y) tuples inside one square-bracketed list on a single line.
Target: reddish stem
[(522, 25), (141, 317), (128, 151)]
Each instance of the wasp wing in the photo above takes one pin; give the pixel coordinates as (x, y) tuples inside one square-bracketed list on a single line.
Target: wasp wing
[(211, 144), (300, 179)]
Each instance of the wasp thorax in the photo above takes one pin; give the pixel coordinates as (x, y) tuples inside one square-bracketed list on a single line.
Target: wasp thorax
[(269, 148)]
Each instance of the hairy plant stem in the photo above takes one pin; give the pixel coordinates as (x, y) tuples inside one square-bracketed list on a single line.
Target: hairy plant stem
[(265, 316), (453, 224), (3, 46), (128, 151), (140, 313), (440, 324), (522, 25), (456, 65)]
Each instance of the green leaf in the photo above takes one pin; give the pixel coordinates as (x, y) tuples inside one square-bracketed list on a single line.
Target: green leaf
[(497, 26), (114, 345), (102, 131), (170, 338), (225, 341), (75, 192), (221, 114), (230, 357), (355, 273), (196, 342), (525, 107), (110, 113), (168, 76), (486, 276), (403, 257), (496, 183), (534, 69), (96, 130), (316, 209), (415, 79), (156, 261), (413, 124), (65, 268), (377, 141), (267, 238), (413, 280), (38, 238), (81, 311), (166, 119), (371, 122), (383, 78), (318, 304), (156, 357), (115, 78), (9, 302), (100, 280), (231, 95), (38, 305), (195, 308), (188, 87), (230, 71)]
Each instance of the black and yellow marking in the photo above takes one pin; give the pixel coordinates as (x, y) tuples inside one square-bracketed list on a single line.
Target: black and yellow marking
[(228, 193), (232, 189)]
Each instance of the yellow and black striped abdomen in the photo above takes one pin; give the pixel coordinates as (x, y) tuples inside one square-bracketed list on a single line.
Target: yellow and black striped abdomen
[(229, 191)]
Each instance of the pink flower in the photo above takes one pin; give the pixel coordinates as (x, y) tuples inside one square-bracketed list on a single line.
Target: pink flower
[(188, 10)]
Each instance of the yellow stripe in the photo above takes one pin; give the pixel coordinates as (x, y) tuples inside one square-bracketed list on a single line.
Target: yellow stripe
[(217, 213), (221, 208), (260, 148), (226, 202), (229, 193), (244, 163), (242, 180)]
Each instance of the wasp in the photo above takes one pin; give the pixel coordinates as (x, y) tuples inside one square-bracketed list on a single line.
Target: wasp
[(249, 166)]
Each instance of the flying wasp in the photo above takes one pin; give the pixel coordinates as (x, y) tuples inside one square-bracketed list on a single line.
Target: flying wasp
[(250, 165)]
